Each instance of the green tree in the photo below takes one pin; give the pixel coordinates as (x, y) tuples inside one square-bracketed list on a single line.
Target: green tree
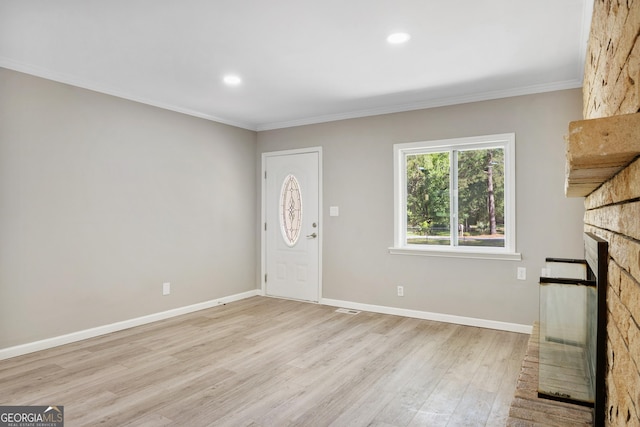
[(428, 189), (481, 187)]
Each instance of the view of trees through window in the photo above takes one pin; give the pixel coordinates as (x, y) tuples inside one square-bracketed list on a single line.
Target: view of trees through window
[(480, 198)]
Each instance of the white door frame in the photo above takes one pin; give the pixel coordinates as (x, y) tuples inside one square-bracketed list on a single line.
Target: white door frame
[(263, 215)]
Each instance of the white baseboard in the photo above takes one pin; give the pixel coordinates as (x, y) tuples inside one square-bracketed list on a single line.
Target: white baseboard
[(19, 350), (426, 315)]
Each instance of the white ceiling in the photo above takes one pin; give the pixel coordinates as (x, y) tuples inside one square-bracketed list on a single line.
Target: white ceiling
[(301, 61)]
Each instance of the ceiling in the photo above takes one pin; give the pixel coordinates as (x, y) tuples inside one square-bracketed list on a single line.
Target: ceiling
[(301, 61)]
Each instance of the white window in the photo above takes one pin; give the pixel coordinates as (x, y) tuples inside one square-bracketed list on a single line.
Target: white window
[(456, 197)]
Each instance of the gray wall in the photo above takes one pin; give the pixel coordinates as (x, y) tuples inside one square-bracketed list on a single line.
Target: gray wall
[(102, 200), (358, 177)]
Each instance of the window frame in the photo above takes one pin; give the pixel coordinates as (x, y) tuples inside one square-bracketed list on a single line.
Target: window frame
[(400, 153)]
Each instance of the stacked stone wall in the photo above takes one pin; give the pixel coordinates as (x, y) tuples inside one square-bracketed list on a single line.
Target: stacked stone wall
[(611, 87)]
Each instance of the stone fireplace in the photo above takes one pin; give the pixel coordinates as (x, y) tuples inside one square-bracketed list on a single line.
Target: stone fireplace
[(603, 165)]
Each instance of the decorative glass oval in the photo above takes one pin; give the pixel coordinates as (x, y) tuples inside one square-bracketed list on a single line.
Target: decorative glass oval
[(290, 210)]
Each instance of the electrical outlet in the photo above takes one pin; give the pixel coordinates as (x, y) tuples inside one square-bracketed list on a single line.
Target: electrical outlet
[(400, 291), (522, 273), (166, 288)]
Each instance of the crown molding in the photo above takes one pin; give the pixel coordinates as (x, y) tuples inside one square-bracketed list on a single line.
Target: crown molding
[(74, 81), (431, 103)]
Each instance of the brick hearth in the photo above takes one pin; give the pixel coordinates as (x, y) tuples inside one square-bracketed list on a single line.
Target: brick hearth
[(527, 409)]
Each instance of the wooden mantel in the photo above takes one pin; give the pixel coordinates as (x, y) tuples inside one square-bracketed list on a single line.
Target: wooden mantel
[(597, 149)]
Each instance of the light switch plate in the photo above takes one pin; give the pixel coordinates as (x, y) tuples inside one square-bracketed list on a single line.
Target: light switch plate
[(334, 211)]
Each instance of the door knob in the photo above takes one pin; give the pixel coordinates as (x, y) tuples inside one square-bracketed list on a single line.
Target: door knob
[(312, 236)]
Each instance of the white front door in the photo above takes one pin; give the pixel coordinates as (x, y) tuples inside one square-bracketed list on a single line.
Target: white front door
[(292, 225)]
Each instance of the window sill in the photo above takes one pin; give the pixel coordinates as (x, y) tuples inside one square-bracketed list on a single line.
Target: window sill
[(457, 253)]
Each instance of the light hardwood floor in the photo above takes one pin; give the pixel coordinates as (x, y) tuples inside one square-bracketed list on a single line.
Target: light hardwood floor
[(271, 362)]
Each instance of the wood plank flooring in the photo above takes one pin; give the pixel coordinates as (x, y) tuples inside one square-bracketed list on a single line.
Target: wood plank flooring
[(271, 362)]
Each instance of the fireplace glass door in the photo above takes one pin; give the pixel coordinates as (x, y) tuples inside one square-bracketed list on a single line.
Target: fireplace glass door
[(567, 333)]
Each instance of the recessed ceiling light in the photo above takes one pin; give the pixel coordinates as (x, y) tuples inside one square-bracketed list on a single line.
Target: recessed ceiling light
[(232, 80), (398, 38)]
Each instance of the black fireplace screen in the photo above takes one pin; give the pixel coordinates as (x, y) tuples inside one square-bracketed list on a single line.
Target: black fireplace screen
[(573, 328)]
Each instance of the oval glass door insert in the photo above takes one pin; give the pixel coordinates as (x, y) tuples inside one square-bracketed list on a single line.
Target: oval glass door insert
[(290, 210)]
